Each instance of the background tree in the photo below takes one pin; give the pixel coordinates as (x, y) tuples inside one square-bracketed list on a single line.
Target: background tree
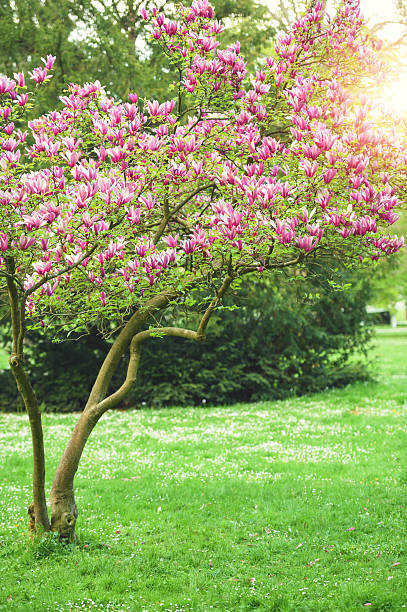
[(288, 335), (107, 40), (117, 213)]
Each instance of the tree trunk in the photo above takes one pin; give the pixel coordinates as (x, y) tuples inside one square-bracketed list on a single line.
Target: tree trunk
[(64, 513), (38, 513), (63, 507)]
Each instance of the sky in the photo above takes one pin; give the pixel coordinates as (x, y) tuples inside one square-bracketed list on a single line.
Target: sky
[(373, 10), (376, 11)]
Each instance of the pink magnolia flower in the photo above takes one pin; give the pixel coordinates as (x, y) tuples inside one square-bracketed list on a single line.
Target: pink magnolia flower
[(171, 241), (5, 112), (6, 85), (171, 27), (309, 168), (42, 267), (25, 242), (3, 241), (306, 243), (329, 175), (312, 152), (188, 245), (287, 236), (9, 129), (153, 108), (19, 77), (133, 214), (324, 139), (49, 61), (38, 75), (22, 99)]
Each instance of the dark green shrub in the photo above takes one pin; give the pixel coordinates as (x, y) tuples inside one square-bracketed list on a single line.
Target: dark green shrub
[(271, 347), (286, 338), (61, 373)]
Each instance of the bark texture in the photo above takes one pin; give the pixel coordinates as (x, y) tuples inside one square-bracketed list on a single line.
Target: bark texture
[(64, 514), (38, 512)]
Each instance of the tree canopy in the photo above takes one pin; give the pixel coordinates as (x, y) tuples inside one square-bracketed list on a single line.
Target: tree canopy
[(111, 210)]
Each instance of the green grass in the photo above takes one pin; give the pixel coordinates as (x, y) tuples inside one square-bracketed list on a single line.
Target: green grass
[(293, 505)]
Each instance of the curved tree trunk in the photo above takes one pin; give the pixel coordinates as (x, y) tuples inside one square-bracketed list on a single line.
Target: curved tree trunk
[(64, 511), (63, 507)]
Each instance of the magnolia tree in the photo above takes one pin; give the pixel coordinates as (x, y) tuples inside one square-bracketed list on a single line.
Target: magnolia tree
[(123, 210)]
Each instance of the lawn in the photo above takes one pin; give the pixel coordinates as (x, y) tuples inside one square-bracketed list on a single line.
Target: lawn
[(292, 505)]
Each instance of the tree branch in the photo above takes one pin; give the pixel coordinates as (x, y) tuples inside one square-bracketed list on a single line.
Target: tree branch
[(140, 337), (191, 195), (132, 368), (213, 304), (122, 342), (161, 229), (245, 269)]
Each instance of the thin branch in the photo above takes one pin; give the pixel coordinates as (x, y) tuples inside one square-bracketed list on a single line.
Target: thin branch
[(12, 277), (121, 344), (397, 42), (213, 304), (191, 195), (179, 92), (161, 229), (137, 340), (245, 269), (14, 308), (132, 368)]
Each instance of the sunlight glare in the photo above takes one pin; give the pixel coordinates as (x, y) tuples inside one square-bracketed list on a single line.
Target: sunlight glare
[(394, 95)]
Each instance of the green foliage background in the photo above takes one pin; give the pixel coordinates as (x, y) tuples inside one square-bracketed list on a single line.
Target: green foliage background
[(108, 41), (285, 338)]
